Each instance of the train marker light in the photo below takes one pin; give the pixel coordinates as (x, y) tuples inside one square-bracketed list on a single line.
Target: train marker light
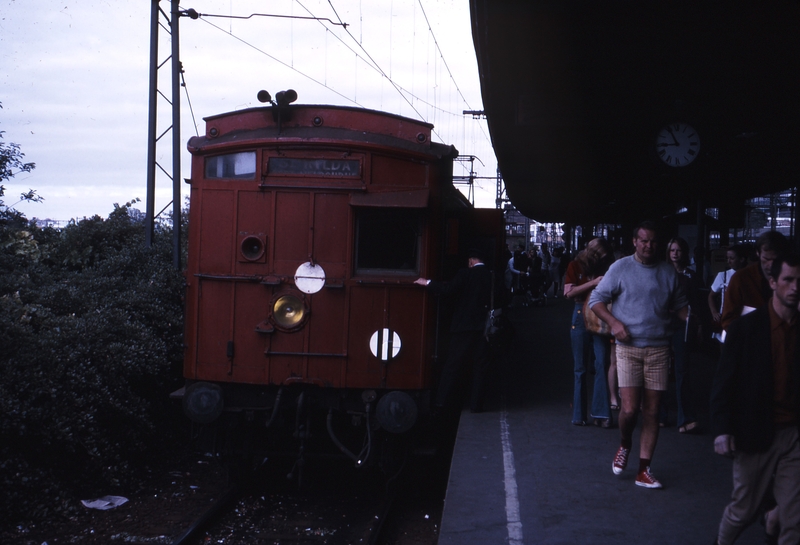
[(309, 278), (288, 311), (385, 344)]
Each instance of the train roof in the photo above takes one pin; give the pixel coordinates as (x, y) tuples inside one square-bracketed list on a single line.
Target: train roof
[(324, 124)]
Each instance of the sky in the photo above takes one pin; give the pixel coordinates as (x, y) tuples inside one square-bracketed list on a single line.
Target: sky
[(75, 76)]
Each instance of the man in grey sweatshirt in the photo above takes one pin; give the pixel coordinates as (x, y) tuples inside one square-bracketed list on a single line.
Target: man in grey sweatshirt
[(643, 294)]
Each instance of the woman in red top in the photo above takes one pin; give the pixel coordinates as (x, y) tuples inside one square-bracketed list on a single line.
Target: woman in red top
[(583, 274)]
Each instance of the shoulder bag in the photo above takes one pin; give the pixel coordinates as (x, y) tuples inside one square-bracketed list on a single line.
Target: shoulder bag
[(594, 324)]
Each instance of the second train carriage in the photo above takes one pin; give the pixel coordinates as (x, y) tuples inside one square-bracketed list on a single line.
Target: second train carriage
[(308, 225)]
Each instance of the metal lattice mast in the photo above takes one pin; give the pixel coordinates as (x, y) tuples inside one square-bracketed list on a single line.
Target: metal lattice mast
[(172, 25)]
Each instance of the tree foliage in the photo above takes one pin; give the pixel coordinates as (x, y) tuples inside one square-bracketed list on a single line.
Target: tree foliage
[(11, 164), (91, 343), (11, 159)]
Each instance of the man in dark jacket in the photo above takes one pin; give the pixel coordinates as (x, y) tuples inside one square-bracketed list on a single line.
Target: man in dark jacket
[(472, 287), (749, 287), (755, 407)]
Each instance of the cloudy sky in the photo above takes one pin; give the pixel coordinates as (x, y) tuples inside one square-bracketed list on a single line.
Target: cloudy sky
[(75, 83)]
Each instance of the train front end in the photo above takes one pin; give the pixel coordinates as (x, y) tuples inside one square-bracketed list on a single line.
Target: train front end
[(307, 228)]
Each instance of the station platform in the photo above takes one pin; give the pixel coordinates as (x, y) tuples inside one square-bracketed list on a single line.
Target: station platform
[(521, 473)]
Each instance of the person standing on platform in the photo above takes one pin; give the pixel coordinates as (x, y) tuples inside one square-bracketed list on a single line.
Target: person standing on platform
[(749, 288), (583, 274), (555, 269), (755, 408), (522, 263), (471, 288), (646, 295), (546, 258), (683, 337), (735, 258), (518, 266), (508, 276)]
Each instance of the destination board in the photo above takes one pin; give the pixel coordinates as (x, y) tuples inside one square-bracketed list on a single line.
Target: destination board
[(315, 167)]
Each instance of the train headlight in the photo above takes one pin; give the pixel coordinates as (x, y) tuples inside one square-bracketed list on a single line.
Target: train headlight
[(396, 412), (289, 311), (252, 248)]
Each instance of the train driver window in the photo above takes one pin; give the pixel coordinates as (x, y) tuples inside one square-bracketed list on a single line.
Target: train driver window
[(240, 166), (388, 240)]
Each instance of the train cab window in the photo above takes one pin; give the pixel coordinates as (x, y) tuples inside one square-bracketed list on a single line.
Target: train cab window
[(388, 240), (240, 166)]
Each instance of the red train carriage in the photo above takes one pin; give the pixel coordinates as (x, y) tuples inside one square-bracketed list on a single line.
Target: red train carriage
[(308, 225)]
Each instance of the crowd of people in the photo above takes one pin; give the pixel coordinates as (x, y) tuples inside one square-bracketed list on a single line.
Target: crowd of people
[(533, 275), (635, 320), (656, 312)]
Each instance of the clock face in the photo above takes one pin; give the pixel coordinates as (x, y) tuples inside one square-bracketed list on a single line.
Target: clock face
[(677, 144)]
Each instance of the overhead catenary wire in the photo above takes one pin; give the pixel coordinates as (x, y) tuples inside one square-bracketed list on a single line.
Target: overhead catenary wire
[(444, 61), (248, 44), (401, 91), (369, 61), (374, 62), (189, 101), (363, 55), (441, 55)]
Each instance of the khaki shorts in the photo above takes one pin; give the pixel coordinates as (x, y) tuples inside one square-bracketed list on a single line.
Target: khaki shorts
[(648, 367)]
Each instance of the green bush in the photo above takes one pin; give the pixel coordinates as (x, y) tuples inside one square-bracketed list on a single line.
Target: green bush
[(91, 340)]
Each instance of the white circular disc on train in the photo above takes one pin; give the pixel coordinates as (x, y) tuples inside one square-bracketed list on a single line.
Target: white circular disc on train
[(385, 344), (309, 278)]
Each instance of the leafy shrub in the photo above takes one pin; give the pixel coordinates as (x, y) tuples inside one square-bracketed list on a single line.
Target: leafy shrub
[(91, 341)]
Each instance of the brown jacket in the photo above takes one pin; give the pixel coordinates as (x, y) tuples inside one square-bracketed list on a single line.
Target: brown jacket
[(748, 287)]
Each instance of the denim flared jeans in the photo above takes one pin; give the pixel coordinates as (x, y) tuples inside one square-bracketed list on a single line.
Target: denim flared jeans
[(684, 382), (588, 349)]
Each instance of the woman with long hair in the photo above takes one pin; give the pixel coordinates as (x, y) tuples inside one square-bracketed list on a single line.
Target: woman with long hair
[(684, 335), (583, 274)]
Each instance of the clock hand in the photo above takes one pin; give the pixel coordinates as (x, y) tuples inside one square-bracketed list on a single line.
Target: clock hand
[(673, 137), (665, 144)]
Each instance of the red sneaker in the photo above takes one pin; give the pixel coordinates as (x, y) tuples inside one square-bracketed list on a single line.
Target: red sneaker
[(620, 460), (646, 479)]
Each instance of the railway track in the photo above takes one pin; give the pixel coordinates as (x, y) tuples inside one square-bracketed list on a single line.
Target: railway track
[(337, 505), (207, 517), (329, 512)]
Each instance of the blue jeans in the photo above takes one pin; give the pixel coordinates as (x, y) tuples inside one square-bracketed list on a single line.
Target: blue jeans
[(582, 344), (684, 382)]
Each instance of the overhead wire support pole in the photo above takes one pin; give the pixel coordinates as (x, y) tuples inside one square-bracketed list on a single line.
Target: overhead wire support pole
[(498, 202), (150, 204), (176, 136), (174, 102), (467, 180)]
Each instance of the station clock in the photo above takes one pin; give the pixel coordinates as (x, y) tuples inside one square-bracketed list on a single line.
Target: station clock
[(677, 144)]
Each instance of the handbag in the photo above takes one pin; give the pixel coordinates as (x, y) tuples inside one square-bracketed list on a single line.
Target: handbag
[(492, 325), (594, 324), (498, 328)]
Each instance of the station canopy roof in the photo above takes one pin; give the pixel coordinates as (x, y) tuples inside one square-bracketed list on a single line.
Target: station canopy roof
[(577, 93)]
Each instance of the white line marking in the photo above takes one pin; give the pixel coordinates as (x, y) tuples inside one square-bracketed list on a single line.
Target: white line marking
[(514, 523)]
